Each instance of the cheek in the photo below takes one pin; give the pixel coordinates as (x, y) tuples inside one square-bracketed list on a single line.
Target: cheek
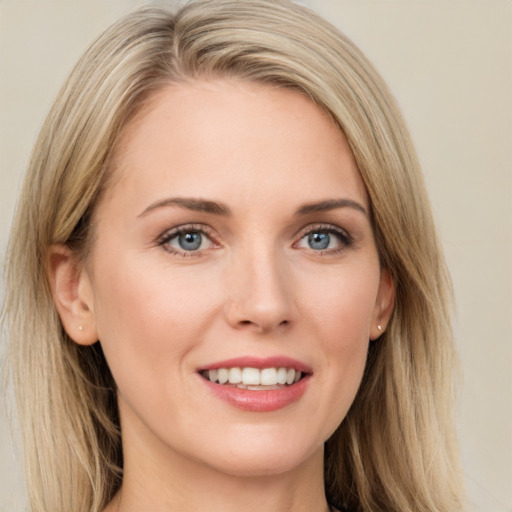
[(345, 325), (340, 305), (147, 315), (339, 314)]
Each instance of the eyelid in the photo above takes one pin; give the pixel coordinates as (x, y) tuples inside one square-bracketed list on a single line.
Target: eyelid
[(169, 234), (346, 239)]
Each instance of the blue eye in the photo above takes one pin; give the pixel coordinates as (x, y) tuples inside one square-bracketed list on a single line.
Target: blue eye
[(319, 241), (185, 240), (325, 238), (190, 241)]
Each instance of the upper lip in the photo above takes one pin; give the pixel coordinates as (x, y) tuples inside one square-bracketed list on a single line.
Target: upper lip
[(260, 363)]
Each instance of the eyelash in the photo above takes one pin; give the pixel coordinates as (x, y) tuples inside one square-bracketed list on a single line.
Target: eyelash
[(164, 240), (344, 238)]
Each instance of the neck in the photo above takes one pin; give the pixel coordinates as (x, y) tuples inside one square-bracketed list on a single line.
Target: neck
[(181, 485)]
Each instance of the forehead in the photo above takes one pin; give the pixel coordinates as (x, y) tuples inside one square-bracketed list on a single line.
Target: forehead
[(205, 137)]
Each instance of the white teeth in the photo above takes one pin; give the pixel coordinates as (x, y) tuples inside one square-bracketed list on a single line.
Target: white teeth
[(222, 375), (235, 375), (281, 376), (253, 378), (269, 376)]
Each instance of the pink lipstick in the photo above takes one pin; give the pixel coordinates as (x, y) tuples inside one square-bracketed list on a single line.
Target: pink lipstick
[(257, 384)]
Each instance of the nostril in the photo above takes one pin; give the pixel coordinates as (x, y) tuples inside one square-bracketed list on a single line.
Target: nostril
[(262, 326)]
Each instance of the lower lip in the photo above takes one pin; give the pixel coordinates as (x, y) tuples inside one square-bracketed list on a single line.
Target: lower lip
[(259, 401)]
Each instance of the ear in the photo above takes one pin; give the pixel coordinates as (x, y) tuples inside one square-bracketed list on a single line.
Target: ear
[(72, 295), (384, 305)]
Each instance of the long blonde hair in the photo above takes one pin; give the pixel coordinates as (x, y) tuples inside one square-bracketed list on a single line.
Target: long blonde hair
[(396, 449)]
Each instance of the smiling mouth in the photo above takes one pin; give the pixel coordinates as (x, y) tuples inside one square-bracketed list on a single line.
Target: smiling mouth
[(254, 379)]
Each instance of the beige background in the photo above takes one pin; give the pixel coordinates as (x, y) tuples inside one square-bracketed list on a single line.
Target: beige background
[(449, 63)]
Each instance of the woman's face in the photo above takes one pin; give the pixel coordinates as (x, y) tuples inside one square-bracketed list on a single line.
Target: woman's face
[(234, 242)]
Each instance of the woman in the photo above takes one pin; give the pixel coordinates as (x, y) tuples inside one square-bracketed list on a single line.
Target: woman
[(224, 285)]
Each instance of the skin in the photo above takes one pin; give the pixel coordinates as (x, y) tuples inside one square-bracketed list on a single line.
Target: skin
[(255, 287)]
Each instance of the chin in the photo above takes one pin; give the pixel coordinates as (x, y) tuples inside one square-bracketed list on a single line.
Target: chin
[(261, 459)]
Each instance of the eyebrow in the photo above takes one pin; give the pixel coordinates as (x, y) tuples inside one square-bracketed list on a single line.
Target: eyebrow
[(189, 203), (330, 204), (213, 207)]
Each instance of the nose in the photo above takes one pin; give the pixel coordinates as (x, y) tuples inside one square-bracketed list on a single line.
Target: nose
[(259, 293)]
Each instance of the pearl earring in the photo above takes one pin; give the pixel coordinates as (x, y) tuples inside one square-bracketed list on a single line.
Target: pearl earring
[(80, 328), (379, 327)]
